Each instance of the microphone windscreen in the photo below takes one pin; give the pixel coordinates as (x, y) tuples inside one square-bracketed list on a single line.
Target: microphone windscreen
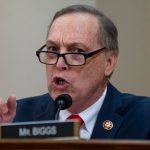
[(63, 100)]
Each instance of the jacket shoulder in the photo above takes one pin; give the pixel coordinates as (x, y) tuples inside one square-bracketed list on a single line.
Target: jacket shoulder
[(126, 98), (35, 99), (135, 100), (27, 108)]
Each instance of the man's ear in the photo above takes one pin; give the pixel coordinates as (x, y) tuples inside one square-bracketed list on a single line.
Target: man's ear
[(110, 62)]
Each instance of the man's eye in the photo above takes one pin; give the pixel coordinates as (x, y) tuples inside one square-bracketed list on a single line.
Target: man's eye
[(52, 48), (79, 50)]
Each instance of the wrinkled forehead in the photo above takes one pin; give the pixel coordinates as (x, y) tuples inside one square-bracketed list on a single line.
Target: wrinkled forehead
[(74, 25)]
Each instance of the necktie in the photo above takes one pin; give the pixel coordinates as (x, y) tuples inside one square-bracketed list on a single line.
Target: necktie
[(76, 117)]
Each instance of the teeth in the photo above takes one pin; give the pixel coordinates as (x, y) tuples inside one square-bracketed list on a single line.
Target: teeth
[(61, 81)]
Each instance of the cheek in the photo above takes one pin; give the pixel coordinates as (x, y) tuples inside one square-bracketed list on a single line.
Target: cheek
[(92, 73), (96, 69)]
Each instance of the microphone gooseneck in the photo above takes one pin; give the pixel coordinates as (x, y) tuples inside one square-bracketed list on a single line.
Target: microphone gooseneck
[(62, 102)]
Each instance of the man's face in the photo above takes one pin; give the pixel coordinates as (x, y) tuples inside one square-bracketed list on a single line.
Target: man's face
[(86, 83)]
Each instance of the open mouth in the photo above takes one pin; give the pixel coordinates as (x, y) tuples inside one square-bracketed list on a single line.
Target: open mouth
[(60, 82)]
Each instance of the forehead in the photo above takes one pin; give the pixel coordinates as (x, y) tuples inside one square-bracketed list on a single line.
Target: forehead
[(74, 26)]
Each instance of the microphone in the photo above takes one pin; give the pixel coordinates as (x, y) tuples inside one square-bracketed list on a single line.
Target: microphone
[(62, 102)]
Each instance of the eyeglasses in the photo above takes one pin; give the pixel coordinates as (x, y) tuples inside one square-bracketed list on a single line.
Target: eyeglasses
[(72, 59)]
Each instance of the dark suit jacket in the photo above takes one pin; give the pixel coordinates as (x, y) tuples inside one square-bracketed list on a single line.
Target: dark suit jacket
[(129, 114)]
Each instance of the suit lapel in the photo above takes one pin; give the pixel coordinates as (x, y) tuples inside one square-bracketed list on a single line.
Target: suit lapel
[(45, 109), (108, 120)]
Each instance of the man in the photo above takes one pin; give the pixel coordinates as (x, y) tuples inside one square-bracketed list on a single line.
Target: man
[(80, 54)]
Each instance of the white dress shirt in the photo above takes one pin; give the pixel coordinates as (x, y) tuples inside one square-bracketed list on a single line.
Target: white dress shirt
[(89, 116)]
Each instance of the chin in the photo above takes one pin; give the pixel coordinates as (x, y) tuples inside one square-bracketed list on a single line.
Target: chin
[(55, 94)]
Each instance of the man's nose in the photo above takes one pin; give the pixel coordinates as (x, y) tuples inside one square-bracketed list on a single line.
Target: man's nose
[(61, 63)]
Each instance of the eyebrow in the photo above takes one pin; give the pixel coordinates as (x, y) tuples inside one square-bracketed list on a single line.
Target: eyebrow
[(51, 42), (73, 44)]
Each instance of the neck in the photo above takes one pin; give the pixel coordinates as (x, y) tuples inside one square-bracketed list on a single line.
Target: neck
[(80, 105)]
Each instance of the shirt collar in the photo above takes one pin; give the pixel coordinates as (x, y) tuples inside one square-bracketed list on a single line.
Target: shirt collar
[(89, 115)]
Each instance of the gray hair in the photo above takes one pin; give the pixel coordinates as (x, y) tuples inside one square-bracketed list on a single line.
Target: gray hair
[(107, 34)]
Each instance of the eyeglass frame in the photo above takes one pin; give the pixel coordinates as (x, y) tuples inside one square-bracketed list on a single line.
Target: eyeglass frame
[(86, 55)]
